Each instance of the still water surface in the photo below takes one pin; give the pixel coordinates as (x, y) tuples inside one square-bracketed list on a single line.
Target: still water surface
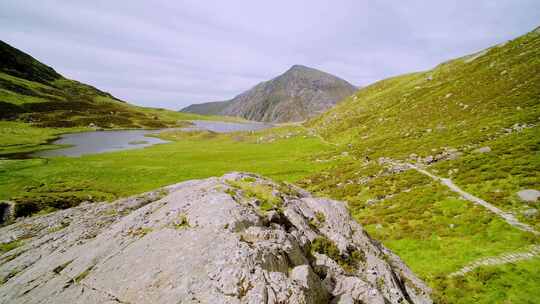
[(106, 141)]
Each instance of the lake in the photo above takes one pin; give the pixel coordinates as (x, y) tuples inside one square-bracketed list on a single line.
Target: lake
[(107, 141)]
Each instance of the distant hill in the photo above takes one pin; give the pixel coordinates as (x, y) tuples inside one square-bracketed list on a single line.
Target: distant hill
[(33, 92), (298, 94), (207, 108)]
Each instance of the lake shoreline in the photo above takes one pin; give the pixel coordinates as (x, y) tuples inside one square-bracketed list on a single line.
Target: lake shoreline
[(57, 145)]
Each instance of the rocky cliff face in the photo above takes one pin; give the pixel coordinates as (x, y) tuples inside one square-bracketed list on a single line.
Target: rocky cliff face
[(296, 95), (235, 239)]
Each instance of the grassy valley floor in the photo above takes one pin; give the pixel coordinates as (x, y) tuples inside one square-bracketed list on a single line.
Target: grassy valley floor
[(285, 154)]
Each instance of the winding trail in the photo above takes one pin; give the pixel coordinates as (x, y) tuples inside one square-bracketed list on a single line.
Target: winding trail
[(508, 217), (505, 258), (314, 132)]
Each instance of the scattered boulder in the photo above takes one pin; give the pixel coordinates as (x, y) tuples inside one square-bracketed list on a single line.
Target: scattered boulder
[(215, 240), (529, 195), (482, 150)]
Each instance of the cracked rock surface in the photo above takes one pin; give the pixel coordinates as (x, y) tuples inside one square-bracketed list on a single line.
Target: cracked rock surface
[(238, 238)]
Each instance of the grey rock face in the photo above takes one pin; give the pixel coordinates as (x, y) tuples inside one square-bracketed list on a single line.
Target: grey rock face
[(529, 195), (296, 95), (217, 240)]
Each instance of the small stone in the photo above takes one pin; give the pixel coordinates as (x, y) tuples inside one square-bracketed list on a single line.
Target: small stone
[(482, 150), (529, 195)]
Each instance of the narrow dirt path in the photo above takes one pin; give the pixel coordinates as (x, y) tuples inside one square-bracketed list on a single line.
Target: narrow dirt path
[(509, 218), (505, 258), (314, 133)]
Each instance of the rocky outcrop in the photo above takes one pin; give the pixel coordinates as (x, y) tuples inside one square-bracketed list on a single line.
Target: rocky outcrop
[(296, 95), (239, 238)]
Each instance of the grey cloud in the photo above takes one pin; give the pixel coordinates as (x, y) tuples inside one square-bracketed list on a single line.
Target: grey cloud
[(173, 53)]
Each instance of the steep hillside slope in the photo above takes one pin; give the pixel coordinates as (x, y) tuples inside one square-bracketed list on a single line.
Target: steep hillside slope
[(296, 95), (235, 239), (37, 104), (208, 108), (33, 92), (471, 121)]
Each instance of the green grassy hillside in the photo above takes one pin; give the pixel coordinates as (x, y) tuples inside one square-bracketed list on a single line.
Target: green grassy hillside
[(211, 108), (489, 99)]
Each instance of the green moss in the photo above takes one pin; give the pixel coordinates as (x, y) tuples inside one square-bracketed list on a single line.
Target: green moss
[(58, 269), (81, 276), (59, 227), (5, 247), (182, 222), (317, 221), (262, 192), (348, 261), (140, 232)]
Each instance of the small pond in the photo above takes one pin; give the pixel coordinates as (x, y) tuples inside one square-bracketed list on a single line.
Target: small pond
[(106, 141)]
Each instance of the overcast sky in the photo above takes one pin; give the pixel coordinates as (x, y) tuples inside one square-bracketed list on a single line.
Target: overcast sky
[(174, 53)]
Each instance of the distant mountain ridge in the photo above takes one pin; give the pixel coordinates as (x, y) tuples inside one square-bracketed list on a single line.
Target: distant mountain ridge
[(296, 95), (207, 108)]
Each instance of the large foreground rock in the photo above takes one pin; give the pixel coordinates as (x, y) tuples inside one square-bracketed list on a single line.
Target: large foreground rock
[(218, 240)]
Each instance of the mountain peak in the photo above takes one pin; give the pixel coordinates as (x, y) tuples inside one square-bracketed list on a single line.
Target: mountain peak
[(298, 94), (301, 68)]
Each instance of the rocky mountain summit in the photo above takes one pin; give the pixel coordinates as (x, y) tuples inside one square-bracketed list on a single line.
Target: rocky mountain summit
[(298, 94), (238, 238)]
